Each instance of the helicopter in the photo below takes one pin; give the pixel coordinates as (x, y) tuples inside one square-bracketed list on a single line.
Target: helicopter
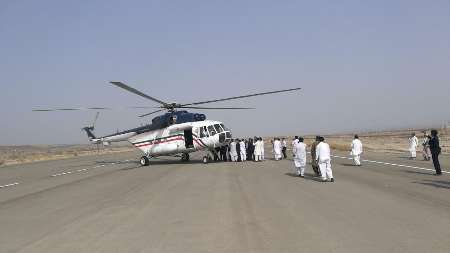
[(175, 132)]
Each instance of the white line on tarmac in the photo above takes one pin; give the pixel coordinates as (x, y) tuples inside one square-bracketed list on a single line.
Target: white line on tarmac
[(8, 185), (80, 170), (392, 164)]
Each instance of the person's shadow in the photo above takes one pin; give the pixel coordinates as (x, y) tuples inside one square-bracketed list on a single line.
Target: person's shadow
[(435, 183), (308, 176)]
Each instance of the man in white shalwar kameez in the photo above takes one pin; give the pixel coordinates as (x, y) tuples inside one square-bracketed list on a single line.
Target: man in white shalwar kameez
[(323, 157), (357, 149), (233, 151), (299, 150), (243, 151), (258, 150), (277, 149), (413, 144)]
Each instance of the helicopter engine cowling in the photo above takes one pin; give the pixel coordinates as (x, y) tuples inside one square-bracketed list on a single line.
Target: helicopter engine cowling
[(180, 127)]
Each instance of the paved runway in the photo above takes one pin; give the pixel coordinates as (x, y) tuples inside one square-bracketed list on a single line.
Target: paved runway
[(110, 204)]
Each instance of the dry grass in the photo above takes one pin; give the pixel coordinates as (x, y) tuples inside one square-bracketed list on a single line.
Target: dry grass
[(390, 142), (24, 154)]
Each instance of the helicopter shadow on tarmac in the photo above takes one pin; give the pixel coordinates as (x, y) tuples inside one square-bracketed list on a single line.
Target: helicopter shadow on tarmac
[(171, 162), (110, 162)]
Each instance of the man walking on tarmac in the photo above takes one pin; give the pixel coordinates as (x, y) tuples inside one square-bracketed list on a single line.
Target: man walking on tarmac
[(314, 164), (357, 149), (284, 147), (323, 157), (299, 151)]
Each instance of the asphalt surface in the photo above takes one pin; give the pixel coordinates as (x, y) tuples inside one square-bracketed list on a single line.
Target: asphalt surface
[(111, 204)]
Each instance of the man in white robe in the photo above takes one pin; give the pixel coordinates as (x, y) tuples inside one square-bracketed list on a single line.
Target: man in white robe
[(243, 151), (323, 157), (357, 149), (413, 144), (258, 150), (233, 151), (277, 149), (299, 151)]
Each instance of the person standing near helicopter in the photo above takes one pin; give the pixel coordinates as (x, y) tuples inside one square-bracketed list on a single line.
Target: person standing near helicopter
[(243, 150), (233, 151), (277, 147), (299, 151)]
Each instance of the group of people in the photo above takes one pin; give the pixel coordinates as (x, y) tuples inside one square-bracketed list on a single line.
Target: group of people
[(320, 158), (252, 149), (240, 150), (430, 148)]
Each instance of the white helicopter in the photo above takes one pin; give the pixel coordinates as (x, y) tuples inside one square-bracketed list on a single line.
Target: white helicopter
[(175, 132)]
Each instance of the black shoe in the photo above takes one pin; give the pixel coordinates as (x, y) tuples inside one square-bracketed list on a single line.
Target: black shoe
[(332, 180), (438, 174)]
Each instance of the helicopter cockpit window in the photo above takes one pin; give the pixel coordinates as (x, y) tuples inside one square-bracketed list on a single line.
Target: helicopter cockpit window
[(224, 127), (203, 132), (211, 130), (218, 128)]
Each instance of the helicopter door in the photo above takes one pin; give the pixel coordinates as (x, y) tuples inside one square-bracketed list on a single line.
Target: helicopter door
[(188, 139)]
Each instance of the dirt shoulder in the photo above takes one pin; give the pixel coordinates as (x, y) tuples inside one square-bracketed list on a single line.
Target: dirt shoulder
[(386, 142), (10, 155)]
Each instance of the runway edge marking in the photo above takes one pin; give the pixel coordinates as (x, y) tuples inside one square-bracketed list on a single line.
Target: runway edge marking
[(81, 170), (8, 185), (392, 164)]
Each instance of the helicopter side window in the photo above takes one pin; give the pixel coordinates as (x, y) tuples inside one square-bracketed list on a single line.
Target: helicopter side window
[(218, 128), (211, 130), (203, 132), (172, 120)]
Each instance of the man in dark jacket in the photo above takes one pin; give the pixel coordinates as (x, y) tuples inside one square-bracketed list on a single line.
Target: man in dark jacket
[(435, 151), (238, 150)]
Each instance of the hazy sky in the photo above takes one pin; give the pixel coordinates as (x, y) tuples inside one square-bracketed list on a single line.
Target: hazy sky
[(363, 65)]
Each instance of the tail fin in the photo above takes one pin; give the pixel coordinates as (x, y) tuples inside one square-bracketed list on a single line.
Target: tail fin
[(89, 129), (89, 132)]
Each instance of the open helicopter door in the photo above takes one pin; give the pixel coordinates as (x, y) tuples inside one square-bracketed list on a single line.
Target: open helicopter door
[(188, 138)]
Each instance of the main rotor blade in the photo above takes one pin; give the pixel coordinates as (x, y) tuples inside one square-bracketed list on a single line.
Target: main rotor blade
[(133, 90), (143, 107), (71, 109), (217, 108), (238, 97), (151, 113)]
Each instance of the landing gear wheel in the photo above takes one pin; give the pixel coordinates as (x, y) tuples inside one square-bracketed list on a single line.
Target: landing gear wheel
[(185, 157), (144, 161), (205, 159)]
